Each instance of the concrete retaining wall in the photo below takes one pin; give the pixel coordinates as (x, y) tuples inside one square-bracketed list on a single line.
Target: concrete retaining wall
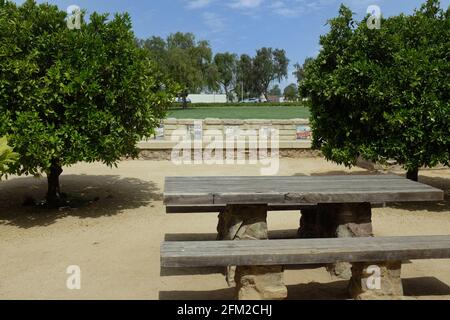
[(294, 134), (291, 132)]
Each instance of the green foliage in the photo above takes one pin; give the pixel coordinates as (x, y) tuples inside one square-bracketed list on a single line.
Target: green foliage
[(383, 93), (186, 61), (299, 72), (190, 64), (275, 91), (269, 65), (74, 95), (226, 66), (245, 86), (7, 156), (291, 92), (255, 75)]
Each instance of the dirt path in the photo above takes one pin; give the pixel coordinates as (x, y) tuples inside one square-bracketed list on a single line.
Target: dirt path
[(116, 239)]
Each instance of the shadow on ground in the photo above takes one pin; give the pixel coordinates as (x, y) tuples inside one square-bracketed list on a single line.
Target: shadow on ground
[(413, 288), (106, 195)]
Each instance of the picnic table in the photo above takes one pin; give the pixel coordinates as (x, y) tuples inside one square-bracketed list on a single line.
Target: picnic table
[(332, 206)]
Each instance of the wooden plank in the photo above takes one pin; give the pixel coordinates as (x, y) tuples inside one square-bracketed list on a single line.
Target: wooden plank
[(220, 207), (322, 177), (296, 190), (302, 251)]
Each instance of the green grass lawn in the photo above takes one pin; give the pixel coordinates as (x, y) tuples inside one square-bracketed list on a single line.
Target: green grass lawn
[(241, 112)]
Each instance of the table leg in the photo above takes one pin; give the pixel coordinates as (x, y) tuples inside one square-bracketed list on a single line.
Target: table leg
[(260, 283), (243, 222), (249, 222), (376, 280), (310, 226), (344, 221)]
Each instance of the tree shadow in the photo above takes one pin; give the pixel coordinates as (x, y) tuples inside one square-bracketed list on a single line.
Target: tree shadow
[(96, 196)]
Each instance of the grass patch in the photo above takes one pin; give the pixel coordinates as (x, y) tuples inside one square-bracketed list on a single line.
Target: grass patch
[(242, 113), (238, 105)]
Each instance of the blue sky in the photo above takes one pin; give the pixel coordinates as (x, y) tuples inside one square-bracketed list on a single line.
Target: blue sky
[(242, 26)]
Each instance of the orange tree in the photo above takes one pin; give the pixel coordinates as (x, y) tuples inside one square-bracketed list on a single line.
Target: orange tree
[(383, 93), (73, 95)]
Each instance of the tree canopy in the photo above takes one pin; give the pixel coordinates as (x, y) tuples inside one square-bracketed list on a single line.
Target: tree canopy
[(291, 92), (255, 75), (185, 60), (269, 65), (383, 93), (275, 91), (74, 95), (226, 68), (299, 72), (245, 86), (190, 63)]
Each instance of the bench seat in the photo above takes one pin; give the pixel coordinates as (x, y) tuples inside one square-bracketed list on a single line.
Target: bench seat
[(376, 262), (302, 251)]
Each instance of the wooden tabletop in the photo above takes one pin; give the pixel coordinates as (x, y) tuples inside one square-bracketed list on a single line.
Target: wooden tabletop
[(296, 190)]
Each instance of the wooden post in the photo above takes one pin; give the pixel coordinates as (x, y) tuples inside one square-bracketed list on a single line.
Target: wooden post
[(249, 222)]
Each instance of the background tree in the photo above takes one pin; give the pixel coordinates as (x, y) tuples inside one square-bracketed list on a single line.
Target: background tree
[(226, 66), (383, 94), (7, 156), (269, 65), (158, 51), (299, 72), (275, 91), (186, 61), (73, 95), (291, 92), (245, 84)]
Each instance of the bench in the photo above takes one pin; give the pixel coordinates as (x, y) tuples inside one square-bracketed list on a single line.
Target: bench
[(376, 262)]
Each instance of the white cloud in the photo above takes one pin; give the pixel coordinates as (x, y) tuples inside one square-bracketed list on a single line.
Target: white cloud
[(198, 4), (295, 8), (246, 4), (284, 8), (214, 22)]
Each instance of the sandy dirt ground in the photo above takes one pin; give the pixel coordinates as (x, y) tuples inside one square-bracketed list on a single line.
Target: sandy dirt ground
[(115, 240)]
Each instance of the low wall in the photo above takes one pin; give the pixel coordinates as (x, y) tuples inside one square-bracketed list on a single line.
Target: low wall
[(294, 135), (208, 98)]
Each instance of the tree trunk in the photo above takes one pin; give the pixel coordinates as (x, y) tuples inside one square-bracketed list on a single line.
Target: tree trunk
[(226, 93), (413, 174), (54, 191), (184, 102)]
